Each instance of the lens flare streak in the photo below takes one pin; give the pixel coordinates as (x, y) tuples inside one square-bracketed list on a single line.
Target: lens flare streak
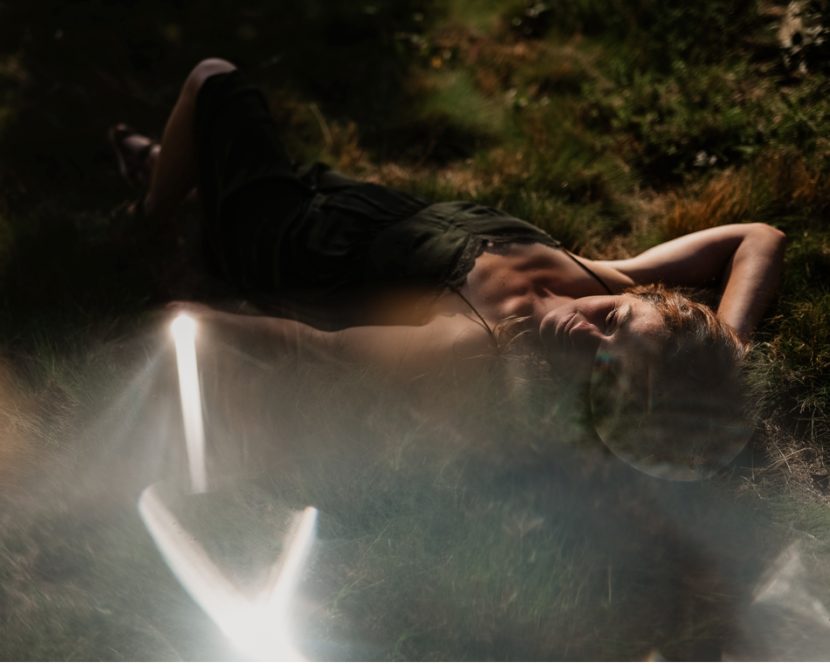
[(287, 572), (259, 627), (184, 336)]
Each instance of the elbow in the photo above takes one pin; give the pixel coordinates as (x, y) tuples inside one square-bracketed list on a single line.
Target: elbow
[(769, 234), (768, 244), (765, 241)]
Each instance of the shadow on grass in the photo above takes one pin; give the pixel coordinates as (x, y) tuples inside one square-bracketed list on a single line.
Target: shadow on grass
[(68, 71)]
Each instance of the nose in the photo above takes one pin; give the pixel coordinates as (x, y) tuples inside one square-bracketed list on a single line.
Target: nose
[(573, 331)]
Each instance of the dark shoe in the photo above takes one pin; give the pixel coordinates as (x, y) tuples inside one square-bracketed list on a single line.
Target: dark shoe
[(133, 163)]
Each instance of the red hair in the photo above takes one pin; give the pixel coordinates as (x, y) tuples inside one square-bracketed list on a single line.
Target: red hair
[(679, 414)]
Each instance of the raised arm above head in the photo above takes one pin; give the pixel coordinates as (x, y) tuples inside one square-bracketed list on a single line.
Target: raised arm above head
[(743, 259)]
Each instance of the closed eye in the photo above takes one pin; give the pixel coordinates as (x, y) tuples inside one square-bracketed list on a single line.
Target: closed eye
[(611, 321)]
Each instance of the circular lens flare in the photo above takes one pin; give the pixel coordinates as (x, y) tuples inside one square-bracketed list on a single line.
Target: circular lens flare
[(671, 428)]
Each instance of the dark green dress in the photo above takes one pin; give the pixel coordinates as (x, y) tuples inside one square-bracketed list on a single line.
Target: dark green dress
[(320, 244)]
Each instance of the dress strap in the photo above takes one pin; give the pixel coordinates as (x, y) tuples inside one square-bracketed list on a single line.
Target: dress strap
[(493, 338), (588, 270)]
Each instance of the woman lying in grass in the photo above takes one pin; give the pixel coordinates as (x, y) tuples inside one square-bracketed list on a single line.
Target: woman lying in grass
[(369, 274)]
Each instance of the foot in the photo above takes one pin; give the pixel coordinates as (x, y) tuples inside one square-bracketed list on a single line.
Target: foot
[(136, 154)]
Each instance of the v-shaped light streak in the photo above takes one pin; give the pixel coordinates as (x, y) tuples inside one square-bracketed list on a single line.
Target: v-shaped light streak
[(258, 626)]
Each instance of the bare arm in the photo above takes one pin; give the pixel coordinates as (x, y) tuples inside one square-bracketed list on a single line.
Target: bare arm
[(413, 350), (746, 259), (401, 350)]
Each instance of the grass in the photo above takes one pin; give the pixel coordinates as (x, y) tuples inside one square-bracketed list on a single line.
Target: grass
[(485, 530)]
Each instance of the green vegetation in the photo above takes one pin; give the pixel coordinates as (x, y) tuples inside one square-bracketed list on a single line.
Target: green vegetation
[(489, 530)]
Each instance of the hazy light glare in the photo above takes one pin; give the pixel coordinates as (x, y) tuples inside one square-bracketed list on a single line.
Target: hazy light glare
[(183, 328), (287, 573), (788, 587), (656, 425), (259, 627)]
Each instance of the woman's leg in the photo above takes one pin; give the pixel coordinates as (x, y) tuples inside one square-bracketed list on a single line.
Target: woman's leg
[(174, 171)]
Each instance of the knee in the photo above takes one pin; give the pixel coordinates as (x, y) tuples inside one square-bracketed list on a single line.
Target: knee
[(205, 69)]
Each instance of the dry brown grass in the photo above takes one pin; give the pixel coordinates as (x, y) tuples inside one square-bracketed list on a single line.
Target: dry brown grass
[(776, 180), (723, 199), (342, 143), (466, 179), (789, 463), (500, 63)]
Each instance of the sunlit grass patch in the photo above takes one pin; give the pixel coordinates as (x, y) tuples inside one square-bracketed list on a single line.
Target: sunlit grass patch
[(722, 200), (481, 16), (776, 184), (454, 115)]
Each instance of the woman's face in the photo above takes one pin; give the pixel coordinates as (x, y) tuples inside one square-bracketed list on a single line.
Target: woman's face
[(624, 325)]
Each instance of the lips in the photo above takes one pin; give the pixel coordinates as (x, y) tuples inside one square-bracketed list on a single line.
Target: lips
[(581, 326), (578, 335), (583, 333), (564, 328), (575, 328)]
